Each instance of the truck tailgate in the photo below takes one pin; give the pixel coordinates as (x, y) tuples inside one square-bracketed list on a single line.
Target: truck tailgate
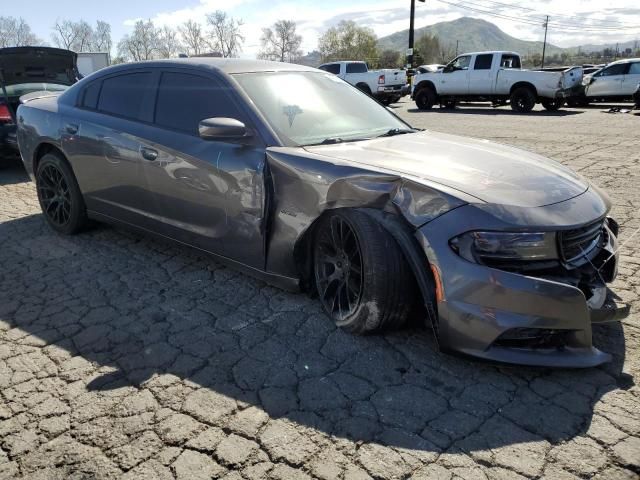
[(572, 78)]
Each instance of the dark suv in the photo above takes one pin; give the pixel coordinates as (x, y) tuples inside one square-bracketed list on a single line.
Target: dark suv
[(25, 70)]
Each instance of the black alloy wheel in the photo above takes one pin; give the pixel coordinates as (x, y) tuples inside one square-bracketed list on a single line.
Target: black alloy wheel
[(339, 269), (54, 195), (59, 195), (362, 278)]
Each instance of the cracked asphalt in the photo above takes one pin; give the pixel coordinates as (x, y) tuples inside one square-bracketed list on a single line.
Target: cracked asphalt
[(122, 356)]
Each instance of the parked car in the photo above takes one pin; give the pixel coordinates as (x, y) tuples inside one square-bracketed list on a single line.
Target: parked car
[(386, 85), (300, 179), (25, 70), (495, 77), (615, 82)]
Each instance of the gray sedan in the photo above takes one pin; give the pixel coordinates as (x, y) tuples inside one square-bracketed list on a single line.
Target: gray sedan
[(296, 177)]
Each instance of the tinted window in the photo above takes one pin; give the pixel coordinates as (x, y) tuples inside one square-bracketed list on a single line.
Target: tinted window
[(332, 68), (90, 96), (461, 63), (634, 69), (124, 95), (356, 68), (510, 61), (185, 100), (619, 69), (483, 62)]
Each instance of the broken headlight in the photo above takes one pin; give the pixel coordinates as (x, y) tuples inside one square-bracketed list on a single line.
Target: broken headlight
[(491, 247)]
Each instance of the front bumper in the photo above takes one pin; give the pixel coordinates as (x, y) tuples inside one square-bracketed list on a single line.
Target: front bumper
[(481, 309)]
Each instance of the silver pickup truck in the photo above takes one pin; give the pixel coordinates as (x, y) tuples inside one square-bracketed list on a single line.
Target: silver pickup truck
[(496, 77)]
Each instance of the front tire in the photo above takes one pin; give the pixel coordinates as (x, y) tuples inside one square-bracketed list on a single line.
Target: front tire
[(425, 98), (522, 100), (363, 281), (552, 105), (59, 196)]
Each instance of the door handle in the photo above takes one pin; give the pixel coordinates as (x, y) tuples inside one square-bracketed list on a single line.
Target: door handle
[(71, 128), (149, 153)]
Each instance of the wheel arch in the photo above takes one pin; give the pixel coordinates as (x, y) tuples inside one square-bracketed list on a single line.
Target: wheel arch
[(426, 84), (41, 150), (528, 85), (363, 87), (397, 227)]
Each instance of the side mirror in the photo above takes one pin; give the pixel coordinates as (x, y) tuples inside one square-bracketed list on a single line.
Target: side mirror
[(221, 128)]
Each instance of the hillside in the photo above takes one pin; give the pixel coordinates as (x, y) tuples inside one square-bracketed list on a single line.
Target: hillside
[(473, 35)]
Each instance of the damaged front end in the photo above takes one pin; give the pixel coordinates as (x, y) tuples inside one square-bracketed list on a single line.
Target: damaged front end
[(534, 309)]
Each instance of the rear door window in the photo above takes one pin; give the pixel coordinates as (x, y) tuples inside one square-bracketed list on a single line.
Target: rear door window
[(634, 69), (357, 68), (332, 68), (618, 69), (510, 61), (184, 100), (124, 95), (483, 62), (90, 95)]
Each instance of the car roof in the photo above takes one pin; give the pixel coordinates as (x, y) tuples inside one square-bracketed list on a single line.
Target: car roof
[(625, 60), (223, 65)]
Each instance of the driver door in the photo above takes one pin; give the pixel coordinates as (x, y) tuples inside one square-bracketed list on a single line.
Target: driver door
[(210, 193), (455, 77)]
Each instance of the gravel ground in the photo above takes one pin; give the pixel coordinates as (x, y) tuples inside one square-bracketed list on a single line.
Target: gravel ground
[(126, 357)]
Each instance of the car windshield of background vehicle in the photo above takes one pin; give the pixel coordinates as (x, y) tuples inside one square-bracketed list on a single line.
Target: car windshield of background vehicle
[(24, 88), (306, 108)]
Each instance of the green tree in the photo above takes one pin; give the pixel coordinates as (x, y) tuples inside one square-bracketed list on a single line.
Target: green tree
[(389, 59), (427, 49), (348, 41)]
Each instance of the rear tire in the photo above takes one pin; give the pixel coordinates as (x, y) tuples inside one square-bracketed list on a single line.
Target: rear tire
[(425, 98), (362, 278), (522, 100), (552, 105), (60, 198)]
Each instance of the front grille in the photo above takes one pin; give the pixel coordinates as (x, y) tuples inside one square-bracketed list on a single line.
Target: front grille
[(580, 241)]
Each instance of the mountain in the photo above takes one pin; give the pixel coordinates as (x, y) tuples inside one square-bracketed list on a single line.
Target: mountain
[(473, 35)]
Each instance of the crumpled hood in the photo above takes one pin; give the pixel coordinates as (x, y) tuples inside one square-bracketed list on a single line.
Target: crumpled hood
[(488, 171), (38, 65)]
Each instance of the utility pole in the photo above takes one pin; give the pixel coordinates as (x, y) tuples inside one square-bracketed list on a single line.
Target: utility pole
[(615, 55), (457, 42), (544, 45), (411, 22)]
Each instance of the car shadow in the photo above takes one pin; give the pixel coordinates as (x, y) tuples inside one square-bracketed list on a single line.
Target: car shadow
[(129, 310), (12, 171), (488, 110)]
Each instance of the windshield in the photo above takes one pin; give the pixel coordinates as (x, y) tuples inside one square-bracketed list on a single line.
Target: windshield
[(24, 88), (306, 108)]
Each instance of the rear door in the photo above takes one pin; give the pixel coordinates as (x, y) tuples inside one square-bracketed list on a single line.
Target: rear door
[(211, 193), (455, 77), (608, 82), (481, 75), (631, 79), (105, 142)]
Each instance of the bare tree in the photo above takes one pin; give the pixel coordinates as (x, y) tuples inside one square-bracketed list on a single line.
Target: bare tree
[(16, 32), (281, 43), (142, 44), (101, 41), (225, 33), (193, 37), (83, 38), (65, 34), (168, 42)]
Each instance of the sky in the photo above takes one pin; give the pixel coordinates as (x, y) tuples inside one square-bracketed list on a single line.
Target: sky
[(572, 23)]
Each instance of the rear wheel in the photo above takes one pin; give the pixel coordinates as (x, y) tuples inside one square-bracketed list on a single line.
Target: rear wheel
[(523, 100), (552, 105), (59, 195), (425, 98), (362, 278)]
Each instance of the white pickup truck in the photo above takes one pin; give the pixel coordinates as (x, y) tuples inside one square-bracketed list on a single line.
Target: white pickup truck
[(496, 77), (386, 85)]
